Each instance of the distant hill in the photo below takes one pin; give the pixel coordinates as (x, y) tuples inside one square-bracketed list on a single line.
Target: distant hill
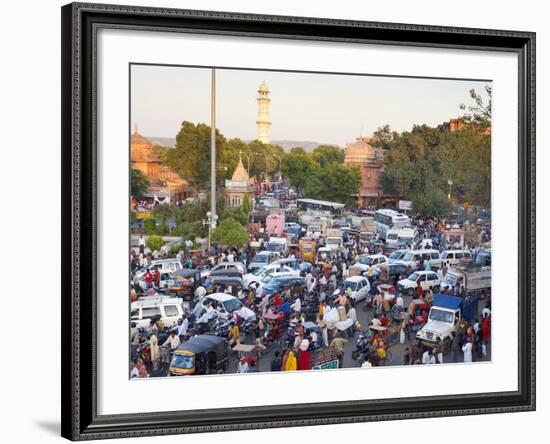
[(287, 145), (168, 142)]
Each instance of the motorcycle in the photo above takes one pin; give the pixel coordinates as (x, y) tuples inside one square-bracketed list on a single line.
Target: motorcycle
[(361, 351)]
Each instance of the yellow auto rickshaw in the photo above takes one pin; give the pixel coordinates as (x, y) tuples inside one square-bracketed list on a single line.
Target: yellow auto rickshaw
[(201, 355), (307, 249)]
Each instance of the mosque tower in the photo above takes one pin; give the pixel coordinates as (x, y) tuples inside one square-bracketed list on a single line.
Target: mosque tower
[(263, 113)]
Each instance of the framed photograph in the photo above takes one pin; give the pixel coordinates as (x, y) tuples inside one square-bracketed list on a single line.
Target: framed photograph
[(274, 221)]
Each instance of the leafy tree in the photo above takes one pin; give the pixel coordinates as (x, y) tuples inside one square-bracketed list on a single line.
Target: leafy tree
[(420, 162), (480, 112), (383, 137), (139, 184), (336, 182), (155, 242), (297, 150), (192, 230), (230, 233), (324, 155), (297, 167), (190, 158), (161, 152), (236, 213), (163, 212), (150, 226), (246, 205)]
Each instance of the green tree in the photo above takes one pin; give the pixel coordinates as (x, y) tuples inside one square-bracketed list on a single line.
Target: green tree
[(246, 205), (297, 150), (383, 137), (190, 158), (150, 226), (297, 167), (480, 112), (139, 184), (336, 182), (155, 242), (163, 212), (192, 230), (324, 155), (230, 233)]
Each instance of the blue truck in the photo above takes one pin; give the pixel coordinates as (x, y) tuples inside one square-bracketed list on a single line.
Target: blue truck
[(444, 317)]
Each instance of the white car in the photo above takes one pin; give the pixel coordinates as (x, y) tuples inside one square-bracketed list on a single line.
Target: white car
[(169, 309), (396, 256), (225, 266), (164, 265), (428, 281), (359, 286), (413, 258), (222, 304), (261, 259), (372, 260), (258, 275)]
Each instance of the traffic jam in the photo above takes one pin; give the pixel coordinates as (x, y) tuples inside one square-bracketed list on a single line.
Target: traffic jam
[(316, 287)]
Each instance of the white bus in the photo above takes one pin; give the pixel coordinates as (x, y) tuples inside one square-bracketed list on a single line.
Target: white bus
[(390, 219)]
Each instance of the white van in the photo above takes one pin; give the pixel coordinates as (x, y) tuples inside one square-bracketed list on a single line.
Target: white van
[(261, 259), (164, 265), (455, 257), (413, 257), (170, 310)]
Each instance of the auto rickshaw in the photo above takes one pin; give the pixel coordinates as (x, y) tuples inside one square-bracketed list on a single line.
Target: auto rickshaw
[(183, 282), (311, 327), (201, 355), (307, 249)]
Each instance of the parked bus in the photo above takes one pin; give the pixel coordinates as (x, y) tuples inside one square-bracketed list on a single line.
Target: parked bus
[(313, 204), (390, 219)]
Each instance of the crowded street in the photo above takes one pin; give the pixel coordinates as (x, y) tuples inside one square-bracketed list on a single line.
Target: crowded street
[(328, 291)]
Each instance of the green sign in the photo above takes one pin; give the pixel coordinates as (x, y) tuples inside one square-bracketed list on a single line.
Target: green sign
[(333, 363)]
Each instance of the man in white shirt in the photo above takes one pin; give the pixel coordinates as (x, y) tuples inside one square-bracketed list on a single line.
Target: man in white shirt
[(173, 341), (297, 305), (426, 357), (399, 301), (200, 293), (181, 328)]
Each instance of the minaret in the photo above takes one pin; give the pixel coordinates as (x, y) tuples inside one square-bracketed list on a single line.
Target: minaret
[(263, 113)]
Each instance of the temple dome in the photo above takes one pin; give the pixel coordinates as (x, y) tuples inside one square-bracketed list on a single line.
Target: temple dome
[(138, 139), (240, 173)]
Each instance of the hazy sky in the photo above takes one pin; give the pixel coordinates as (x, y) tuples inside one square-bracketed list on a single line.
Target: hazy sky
[(324, 108)]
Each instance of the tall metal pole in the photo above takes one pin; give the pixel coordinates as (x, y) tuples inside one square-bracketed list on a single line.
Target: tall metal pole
[(213, 146)]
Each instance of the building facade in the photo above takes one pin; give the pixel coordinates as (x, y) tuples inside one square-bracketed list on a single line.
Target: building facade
[(239, 186), (263, 122), (370, 161), (163, 181)]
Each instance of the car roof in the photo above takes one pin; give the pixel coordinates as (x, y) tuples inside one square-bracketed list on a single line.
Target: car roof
[(221, 297), (263, 253), (284, 274), (425, 272), (231, 263), (356, 278), (161, 261)]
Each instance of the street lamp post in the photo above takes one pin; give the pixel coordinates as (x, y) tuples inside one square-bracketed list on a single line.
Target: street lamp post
[(213, 145), (211, 222), (450, 183), (247, 162)]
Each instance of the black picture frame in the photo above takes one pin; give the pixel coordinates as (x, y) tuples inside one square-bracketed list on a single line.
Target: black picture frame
[(80, 22)]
